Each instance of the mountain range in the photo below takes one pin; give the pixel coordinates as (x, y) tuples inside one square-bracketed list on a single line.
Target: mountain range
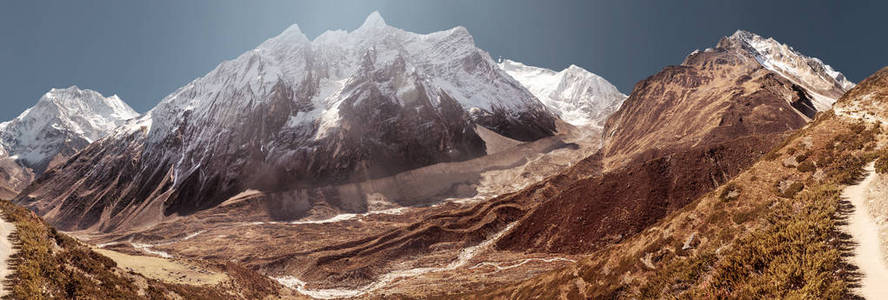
[(379, 163)]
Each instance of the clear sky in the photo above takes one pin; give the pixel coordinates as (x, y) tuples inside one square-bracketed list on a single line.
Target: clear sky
[(144, 50)]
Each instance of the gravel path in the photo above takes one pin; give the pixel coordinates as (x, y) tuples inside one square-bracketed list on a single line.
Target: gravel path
[(6, 229), (867, 254)]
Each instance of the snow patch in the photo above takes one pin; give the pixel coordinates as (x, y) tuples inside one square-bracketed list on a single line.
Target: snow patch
[(346, 217), (147, 249), (501, 266)]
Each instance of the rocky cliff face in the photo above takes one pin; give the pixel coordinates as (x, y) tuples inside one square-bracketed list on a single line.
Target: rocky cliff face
[(822, 83), (292, 114), (63, 122)]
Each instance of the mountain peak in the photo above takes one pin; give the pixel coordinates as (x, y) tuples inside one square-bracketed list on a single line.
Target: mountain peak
[(61, 119), (825, 83), (293, 29), (292, 34), (575, 69), (73, 87), (374, 20), (578, 96), (741, 34), (75, 100)]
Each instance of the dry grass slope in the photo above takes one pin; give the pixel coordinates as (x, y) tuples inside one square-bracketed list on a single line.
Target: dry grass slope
[(747, 239), (52, 265)]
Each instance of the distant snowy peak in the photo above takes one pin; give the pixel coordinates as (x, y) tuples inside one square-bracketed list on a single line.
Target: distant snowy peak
[(579, 97), (822, 81), (292, 58), (335, 65), (62, 120)]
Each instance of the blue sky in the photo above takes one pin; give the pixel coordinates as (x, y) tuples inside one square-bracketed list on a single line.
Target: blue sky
[(144, 50)]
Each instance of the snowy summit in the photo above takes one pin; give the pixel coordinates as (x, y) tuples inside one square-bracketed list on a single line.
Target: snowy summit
[(579, 97), (63, 120)]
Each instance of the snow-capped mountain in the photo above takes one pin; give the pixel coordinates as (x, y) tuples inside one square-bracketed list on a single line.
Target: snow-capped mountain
[(745, 85), (823, 82), (62, 122), (299, 113), (579, 97)]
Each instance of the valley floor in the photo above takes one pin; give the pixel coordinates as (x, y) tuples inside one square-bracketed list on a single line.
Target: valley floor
[(6, 230), (862, 226)]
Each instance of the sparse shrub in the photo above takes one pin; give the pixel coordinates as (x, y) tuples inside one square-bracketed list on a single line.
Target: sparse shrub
[(807, 166), (779, 261), (848, 169), (678, 275), (795, 253), (802, 157), (882, 163), (858, 128), (717, 217), (730, 192), (771, 156), (792, 190), (742, 217), (52, 265), (824, 159)]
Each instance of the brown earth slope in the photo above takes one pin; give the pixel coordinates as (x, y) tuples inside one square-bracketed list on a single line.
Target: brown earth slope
[(869, 100), (682, 133), (48, 264), (714, 96), (773, 231)]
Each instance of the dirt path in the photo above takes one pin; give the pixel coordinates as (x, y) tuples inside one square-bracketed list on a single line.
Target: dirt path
[(6, 229), (867, 254)]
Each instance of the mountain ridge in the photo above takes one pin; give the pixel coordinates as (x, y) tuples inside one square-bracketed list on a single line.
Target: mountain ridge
[(62, 122), (579, 97)]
